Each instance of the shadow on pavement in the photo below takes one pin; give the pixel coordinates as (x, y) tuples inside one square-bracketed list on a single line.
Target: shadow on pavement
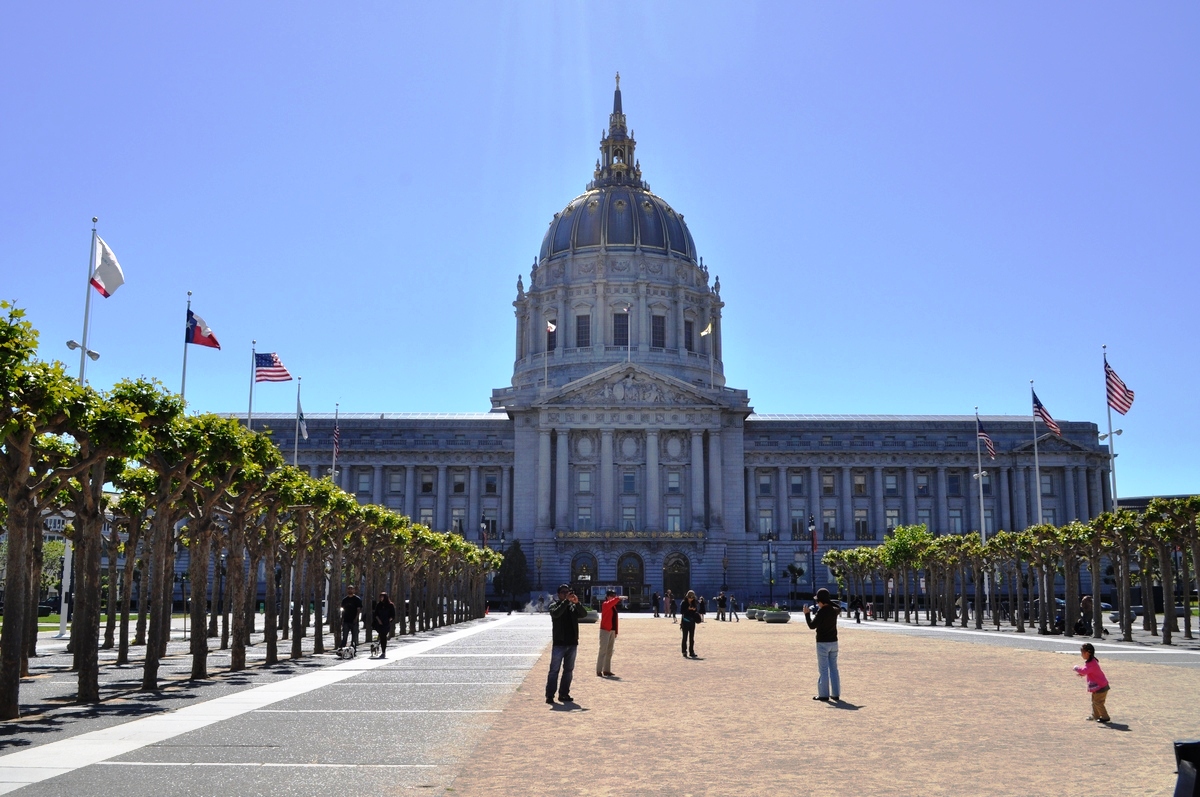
[(843, 705), (1117, 726)]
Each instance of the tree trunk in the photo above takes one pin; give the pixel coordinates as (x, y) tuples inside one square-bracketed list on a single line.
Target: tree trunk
[(1185, 580), (162, 536), (299, 598), (236, 566), (1149, 619), (250, 599), (131, 551), (36, 562), (1166, 567), (271, 616), (110, 622), (283, 618), (213, 606), (198, 574), (85, 627), (318, 582), (17, 588), (1020, 601)]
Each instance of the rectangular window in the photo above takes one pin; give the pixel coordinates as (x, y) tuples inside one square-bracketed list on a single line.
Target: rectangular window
[(427, 516), (923, 485), (954, 484), (860, 484), (458, 517), (672, 481), (628, 518), (583, 519), (764, 484), (689, 335), (460, 482), (797, 482), (765, 524), (891, 484), (1048, 517), (829, 527), (862, 529), (620, 329), (585, 481), (658, 331), (1047, 484), (490, 483), (427, 482), (986, 480), (826, 484), (629, 482), (799, 527), (988, 526), (891, 518), (363, 482), (956, 524), (583, 330), (489, 520), (674, 519), (551, 338), (925, 518), (395, 482)]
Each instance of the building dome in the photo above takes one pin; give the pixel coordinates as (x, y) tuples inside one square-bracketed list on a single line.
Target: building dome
[(618, 218)]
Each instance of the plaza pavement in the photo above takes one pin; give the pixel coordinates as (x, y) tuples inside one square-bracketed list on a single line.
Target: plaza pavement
[(462, 711)]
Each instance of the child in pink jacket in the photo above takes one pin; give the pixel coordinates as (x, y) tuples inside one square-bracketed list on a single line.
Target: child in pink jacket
[(1097, 684)]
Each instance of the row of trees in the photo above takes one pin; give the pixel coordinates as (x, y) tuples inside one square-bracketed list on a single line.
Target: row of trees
[(201, 483), (1151, 547)]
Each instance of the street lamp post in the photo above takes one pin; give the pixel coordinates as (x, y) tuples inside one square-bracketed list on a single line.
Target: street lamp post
[(812, 552), (770, 569), (537, 561)]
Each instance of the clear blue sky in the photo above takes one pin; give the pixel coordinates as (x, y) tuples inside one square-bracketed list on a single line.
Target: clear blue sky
[(913, 208)]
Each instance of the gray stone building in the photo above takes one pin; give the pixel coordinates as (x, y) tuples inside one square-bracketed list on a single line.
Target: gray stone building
[(618, 455)]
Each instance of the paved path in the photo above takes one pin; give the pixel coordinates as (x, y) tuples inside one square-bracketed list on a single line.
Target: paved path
[(462, 711)]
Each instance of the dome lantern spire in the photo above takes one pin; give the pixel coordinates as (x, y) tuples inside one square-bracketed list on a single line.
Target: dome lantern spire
[(617, 165)]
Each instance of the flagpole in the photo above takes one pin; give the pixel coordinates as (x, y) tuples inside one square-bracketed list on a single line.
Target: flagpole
[(83, 351), (183, 381), (1037, 475), (250, 410), (296, 439), (1112, 440), (333, 467), (979, 474)]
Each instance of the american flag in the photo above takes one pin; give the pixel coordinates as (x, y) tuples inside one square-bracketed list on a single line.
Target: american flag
[(987, 441), (1040, 413), (268, 368), (337, 440), (1120, 398)]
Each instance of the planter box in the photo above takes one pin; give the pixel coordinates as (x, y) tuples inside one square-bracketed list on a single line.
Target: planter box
[(592, 617), (776, 617), (751, 614)]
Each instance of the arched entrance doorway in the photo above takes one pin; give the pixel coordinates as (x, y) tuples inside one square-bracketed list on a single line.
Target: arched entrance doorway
[(631, 575), (677, 575), (583, 575)]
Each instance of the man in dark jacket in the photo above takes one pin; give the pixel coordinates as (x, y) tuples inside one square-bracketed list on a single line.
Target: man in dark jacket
[(565, 614)]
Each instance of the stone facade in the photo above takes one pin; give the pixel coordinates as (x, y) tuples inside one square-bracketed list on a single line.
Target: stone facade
[(618, 455)]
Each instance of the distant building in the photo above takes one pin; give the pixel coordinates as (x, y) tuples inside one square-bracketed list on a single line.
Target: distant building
[(618, 455)]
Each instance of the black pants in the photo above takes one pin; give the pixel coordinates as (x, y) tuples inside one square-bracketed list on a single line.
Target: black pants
[(382, 634), (689, 637), (349, 630)]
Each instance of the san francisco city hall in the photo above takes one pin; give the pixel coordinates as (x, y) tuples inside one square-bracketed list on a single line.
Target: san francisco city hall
[(618, 455)]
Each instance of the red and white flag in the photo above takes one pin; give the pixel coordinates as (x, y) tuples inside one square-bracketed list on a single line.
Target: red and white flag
[(199, 332), (1120, 398), (108, 275)]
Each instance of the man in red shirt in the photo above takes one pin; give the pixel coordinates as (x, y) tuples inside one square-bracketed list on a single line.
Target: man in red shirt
[(608, 632)]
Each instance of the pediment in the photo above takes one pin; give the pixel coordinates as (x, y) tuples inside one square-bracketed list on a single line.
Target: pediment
[(627, 385), (1052, 444)]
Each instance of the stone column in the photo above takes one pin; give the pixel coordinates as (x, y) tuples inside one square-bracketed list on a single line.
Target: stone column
[(716, 495), (543, 493), (562, 475), (600, 325), (814, 493), (943, 503), (442, 517), (1005, 502), (697, 480), (782, 526), (1095, 493), (410, 490), (606, 480), (680, 304), (1106, 485), (653, 490), (506, 486), (474, 513), (846, 521), (910, 495), (377, 486), (560, 337), (1071, 512), (878, 521), (643, 319), (751, 503), (1082, 493), (1021, 521)]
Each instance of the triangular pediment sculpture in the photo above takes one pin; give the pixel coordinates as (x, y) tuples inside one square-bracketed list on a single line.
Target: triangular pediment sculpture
[(627, 385), (1052, 444)]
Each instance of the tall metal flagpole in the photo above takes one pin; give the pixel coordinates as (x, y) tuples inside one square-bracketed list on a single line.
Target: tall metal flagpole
[(1037, 474), (979, 474), (1112, 440), (250, 410), (333, 467), (67, 581), (296, 439), (183, 381)]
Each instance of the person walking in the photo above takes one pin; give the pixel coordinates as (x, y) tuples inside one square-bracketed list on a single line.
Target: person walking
[(722, 603), (565, 614), (671, 607), (654, 602), (351, 608), (383, 619), (689, 618), (608, 632), (1097, 683), (733, 608), (829, 682)]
